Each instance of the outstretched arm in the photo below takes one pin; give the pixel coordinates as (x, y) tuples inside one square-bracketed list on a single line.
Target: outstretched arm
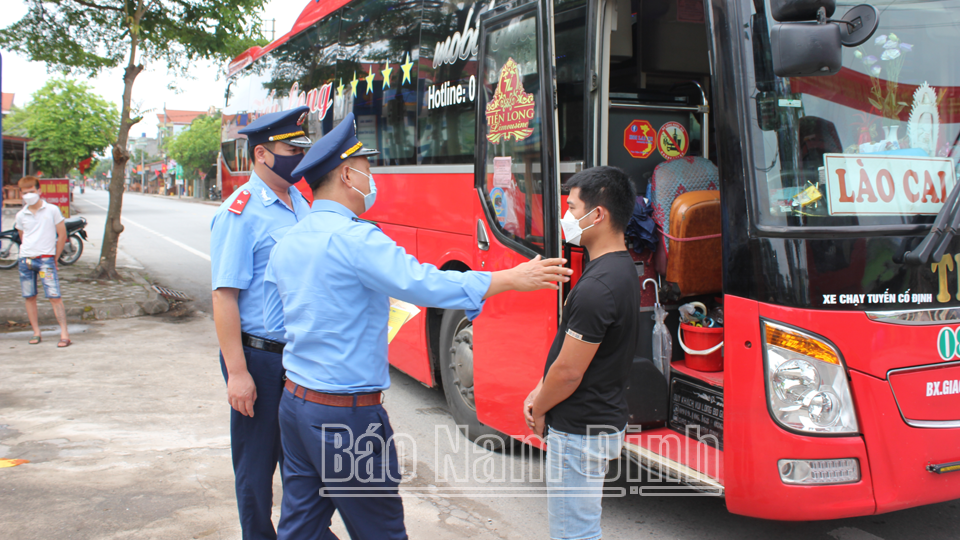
[(532, 275), (385, 267)]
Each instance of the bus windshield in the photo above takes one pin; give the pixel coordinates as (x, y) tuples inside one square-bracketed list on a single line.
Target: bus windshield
[(876, 144)]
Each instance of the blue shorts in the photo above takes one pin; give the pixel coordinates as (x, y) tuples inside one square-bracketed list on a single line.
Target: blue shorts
[(43, 268)]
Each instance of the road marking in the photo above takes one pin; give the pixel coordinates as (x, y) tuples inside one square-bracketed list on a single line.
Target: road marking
[(851, 533), (165, 237)]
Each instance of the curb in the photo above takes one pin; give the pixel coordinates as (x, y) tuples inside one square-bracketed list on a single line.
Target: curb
[(153, 304)]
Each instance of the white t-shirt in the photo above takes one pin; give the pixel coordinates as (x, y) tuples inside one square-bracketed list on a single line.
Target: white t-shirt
[(39, 230)]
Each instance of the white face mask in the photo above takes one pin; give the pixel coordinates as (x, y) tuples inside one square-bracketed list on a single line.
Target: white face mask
[(368, 198), (31, 199), (571, 227)]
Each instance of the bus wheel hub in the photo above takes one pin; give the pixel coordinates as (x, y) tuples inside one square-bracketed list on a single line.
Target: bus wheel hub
[(462, 353)]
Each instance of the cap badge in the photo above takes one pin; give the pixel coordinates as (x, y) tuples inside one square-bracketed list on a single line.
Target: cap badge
[(302, 119)]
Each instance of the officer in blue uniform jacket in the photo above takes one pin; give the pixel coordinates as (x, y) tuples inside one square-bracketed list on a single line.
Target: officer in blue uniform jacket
[(244, 230), (326, 293)]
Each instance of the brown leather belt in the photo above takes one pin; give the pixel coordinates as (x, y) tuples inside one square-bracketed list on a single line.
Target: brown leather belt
[(334, 400)]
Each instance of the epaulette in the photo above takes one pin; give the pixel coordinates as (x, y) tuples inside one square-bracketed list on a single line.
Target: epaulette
[(374, 223), (240, 202)]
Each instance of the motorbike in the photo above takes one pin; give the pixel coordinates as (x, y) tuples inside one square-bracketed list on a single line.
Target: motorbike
[(76, 234)]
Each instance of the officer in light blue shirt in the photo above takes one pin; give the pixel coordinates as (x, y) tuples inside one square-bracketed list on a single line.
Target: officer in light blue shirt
[(326, 293), (244, 230)]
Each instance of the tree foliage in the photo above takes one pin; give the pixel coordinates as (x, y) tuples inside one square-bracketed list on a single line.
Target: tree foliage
[(196, 149), (15, 123), (68, 123), (87, 36)]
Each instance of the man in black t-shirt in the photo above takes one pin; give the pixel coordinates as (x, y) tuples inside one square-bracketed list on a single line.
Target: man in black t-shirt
[(581, 401)]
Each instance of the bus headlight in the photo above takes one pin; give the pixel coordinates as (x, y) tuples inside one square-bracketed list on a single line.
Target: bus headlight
[(807, 385)]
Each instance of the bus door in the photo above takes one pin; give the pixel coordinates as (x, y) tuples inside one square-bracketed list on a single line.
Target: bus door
[(517, 182), (650, 102)]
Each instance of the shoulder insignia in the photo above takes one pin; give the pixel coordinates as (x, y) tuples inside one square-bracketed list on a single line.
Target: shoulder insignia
[(240, 202), (367, 221)]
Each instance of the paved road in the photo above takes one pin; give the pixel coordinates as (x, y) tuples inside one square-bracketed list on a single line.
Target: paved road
[(170, 239)]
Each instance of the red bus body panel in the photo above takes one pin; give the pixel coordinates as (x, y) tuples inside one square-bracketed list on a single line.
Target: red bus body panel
[(424, 213), (893, 455), (511, 340), (754, 442), (426, 201), (928, 394)]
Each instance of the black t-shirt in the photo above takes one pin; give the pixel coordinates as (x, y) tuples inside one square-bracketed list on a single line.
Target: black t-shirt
[(604, 308)]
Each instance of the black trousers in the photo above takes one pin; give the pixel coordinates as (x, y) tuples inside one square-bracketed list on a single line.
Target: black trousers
[(255, 443)]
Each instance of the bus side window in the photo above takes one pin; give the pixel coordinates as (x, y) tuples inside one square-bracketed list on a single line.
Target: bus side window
[(380, 44)]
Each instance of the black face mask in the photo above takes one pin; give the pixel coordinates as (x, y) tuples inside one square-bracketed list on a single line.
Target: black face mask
[(283, 166)]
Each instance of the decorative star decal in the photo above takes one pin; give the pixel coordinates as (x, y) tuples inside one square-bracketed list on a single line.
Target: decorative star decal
[(406, 70), (340, 89), (353, 84), (387, 70), (369, 79)]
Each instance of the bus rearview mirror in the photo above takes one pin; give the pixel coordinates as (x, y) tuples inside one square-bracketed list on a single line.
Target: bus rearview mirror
[(810, 49), (858, 25), (806, 49), (800, 10)]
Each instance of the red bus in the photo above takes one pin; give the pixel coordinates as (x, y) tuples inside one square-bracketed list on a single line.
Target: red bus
[(814, 212)]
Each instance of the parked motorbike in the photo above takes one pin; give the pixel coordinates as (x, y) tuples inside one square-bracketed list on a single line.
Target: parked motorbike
[(76, 234)]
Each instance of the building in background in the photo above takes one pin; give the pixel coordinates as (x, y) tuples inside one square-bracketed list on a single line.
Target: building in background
[(6, 103), (16, 159), (171, 122)]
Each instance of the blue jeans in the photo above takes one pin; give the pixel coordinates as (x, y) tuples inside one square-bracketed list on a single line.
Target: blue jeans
[(44, 268), (576, 469)]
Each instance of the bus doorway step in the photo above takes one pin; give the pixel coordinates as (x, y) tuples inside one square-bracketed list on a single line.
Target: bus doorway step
[(672, 460)]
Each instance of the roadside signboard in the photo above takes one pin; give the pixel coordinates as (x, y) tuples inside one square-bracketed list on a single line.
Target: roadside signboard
[(56, 191)]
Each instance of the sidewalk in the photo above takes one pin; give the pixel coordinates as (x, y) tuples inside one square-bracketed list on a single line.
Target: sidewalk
[(84, 298), (127, 434)]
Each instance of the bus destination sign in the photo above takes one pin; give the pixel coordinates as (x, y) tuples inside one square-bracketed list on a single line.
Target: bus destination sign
[(878, 185)]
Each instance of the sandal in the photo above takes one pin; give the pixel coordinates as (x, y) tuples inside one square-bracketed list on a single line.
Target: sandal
[(64, 343), (35, 340)]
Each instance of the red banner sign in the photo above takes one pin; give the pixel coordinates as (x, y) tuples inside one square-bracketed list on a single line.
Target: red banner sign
[(56, 191)]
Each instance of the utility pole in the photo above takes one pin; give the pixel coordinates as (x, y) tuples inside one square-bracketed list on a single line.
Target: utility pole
[(163, 152)]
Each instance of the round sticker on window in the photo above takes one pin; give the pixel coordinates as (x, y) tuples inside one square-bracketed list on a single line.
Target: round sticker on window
[(499, 199), (672, 141)]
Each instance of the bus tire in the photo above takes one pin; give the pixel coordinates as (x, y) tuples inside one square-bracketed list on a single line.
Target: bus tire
[(456, 373)]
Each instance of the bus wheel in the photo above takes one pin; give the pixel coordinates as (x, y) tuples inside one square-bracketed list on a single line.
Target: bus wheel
[(456, 372)]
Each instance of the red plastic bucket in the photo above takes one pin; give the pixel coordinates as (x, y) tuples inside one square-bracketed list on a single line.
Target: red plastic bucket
[(703, 347)]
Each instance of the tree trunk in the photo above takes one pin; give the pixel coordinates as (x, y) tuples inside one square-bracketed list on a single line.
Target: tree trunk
[(107, 268)]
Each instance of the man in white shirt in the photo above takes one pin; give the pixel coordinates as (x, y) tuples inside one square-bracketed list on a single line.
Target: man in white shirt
[(42, 237)]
